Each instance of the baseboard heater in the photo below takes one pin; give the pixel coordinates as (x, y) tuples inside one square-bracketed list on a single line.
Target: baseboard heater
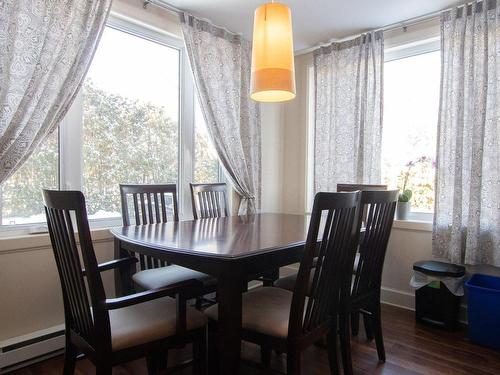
[(31, 348)]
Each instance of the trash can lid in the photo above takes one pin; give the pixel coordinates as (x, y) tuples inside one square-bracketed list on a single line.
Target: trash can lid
[(436, 268)]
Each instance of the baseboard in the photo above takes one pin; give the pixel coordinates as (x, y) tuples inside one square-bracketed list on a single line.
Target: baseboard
[(398, 298), (27, 349)]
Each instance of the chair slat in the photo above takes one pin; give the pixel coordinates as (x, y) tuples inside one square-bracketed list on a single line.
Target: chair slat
[(150, 207), (143, 208), (136, 210), (157, 208)]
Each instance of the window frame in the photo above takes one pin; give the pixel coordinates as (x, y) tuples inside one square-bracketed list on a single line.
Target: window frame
[(70, 166), (404, 51)]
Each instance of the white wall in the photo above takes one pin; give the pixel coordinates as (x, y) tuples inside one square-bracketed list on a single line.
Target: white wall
[(272, 156), (30, 292)]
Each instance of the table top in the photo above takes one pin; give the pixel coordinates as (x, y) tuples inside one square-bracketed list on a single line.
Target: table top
[(230, 237)]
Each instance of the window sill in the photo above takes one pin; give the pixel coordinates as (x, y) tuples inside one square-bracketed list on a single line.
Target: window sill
[(33, 242), (413, 224)]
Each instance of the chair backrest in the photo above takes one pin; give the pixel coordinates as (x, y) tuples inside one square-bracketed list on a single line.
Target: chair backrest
[(60, 207), (151, 204), (380, 207), (360, 187), (209, 200), (332, 237)]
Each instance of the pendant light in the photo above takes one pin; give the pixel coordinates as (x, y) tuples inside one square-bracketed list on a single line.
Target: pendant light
[(273, 72)]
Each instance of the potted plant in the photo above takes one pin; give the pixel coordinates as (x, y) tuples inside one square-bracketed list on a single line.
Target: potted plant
[(404, 205)]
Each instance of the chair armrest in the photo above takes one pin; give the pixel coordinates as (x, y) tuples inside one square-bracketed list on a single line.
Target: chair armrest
[(116, 263), (183, 288)]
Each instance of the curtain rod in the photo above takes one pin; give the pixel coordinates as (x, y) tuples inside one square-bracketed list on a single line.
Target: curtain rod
[(393, 26), (163, 5), (170, 8)]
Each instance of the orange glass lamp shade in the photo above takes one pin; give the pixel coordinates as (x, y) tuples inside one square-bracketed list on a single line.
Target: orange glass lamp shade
[(273, 71)]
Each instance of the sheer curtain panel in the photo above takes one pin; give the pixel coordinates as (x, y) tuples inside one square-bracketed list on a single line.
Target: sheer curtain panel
[(220, 61), (467, 211), (348, 112), (47, 47)]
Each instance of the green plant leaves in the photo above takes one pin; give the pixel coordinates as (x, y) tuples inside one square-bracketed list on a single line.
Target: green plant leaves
[(405, 196)]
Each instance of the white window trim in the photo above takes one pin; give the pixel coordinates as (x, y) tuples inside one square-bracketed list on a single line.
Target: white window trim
[(71, 133), (412, 49)]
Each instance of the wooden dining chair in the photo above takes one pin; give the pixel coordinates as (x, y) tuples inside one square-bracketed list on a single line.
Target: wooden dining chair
[(361, 187), (110, 331), (365, 295), (210, 200), (150, 204), (288, 282), (289, 322)]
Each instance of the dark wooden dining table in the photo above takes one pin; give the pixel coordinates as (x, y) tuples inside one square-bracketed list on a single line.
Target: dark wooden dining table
[(232, 249)]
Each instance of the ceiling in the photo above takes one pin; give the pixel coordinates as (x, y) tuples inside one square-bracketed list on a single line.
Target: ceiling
[(315, 21)]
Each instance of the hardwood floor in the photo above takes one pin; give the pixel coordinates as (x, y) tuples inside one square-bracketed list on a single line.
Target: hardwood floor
[(411, 349)]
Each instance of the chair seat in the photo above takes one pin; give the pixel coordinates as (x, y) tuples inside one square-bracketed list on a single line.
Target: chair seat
[(265, 310), (149, 321), (168, 275), (288, 282)]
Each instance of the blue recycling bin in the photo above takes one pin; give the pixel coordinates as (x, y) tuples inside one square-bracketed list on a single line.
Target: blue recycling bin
[(483, 310)]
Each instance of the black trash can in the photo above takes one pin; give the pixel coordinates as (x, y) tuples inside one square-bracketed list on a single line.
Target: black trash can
[(434, 303)]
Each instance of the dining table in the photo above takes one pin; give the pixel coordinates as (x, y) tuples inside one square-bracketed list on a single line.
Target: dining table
[(232, 249)]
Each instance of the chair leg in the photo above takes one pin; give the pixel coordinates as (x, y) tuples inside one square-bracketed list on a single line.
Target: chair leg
[(345, 343), (199, 303), (265, 355), (377, 331), (157, 362), (213, 354), (293, 362), (368, 327), (104, 369), (331, 342), (355, 323), (200, 354), (69, 358)]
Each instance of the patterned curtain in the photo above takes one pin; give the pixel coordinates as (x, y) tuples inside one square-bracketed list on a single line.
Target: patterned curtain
[(46, 48), (220, 62), (348, 113), (467, 211)]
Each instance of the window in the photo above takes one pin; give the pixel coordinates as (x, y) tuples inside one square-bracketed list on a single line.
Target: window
[(21, 194), (206, 163), (411, 103), (135, 120), (130, 119)]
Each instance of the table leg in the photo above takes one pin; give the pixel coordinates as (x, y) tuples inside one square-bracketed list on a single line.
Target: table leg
[(229, 323)]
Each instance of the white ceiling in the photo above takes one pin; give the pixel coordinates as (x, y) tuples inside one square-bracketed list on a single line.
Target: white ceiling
[(315, 21)]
